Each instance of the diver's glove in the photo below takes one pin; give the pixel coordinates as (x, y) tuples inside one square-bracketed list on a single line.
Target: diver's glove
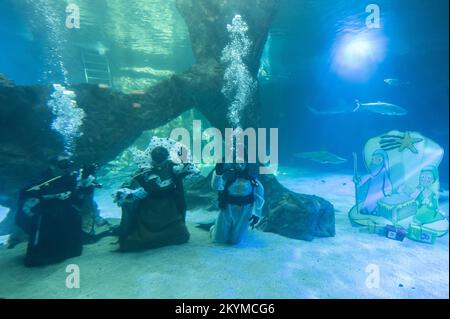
[(126, 195), (60, 196), (185, 169), (253, 221), (29, 204), (87, 181), (89, 169)]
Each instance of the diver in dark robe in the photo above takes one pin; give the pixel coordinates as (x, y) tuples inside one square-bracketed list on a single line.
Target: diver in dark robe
[(94, 227), (153, 205), (48, 213)]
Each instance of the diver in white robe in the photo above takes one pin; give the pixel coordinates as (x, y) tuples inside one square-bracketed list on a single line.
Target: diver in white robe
[(241, 199)]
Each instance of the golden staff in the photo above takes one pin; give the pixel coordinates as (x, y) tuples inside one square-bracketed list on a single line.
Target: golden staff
[(38, 187)]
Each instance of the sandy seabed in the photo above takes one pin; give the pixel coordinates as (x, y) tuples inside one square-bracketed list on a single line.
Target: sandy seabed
[(265, 265)]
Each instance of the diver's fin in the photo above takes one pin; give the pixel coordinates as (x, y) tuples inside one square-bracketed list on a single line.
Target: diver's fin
[(358, 106), (205, 226)]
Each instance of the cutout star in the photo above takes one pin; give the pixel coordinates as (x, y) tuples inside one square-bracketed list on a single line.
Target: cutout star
[(408, 143)]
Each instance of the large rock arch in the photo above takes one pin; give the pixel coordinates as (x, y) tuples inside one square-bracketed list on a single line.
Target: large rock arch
[(112, 123)]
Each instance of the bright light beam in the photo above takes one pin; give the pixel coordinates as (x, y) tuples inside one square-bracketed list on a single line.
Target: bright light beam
[(356, 56), (358, 48)]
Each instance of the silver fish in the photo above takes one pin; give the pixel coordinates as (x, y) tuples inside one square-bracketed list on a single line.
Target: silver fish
[(322, 157), (381, 108), (341, 108), (395, 82), (98, 47), (4, 81), (328, 111)]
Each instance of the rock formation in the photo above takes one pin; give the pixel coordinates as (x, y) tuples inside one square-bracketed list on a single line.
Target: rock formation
[(114, 120)]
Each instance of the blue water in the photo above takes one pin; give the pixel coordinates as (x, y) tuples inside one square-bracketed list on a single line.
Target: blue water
[(21, 53), (305, 40), (414, 40), (319, 54)]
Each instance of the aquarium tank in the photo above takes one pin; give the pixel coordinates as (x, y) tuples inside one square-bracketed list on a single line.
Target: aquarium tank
[(224, 149)]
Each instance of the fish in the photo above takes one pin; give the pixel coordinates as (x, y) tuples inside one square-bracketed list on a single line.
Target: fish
[(5, 82), (103, 86), (263, 72), (341, 108), (381, 108), (332, 111), (322, 157), (98, 47), (27, 35), (443, 194), (395, 82), (265, 76)]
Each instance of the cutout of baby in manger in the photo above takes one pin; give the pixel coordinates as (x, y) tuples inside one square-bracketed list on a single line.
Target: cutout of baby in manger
[(399, 194)]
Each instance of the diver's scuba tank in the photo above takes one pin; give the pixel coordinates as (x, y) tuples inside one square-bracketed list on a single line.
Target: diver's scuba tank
[(230, 175)]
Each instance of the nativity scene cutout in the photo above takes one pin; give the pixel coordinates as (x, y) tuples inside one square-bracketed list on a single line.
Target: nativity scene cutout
[(398, 196)]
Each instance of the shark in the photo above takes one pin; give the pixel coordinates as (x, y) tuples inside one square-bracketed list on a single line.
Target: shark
[(381, 108), (322, 157)]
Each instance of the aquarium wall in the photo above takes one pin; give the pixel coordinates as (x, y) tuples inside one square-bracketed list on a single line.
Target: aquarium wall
[(123, 42)]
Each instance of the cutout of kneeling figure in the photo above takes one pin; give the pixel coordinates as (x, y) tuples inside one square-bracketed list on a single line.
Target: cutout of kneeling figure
[(241, 199), (426, 197)]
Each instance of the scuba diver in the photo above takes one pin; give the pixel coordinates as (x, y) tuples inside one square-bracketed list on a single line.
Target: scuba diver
[(48, 213), (91, 221), (241, 198), (153, 204), (90, 214)]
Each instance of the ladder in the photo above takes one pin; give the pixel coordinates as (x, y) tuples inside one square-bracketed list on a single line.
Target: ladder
[(96, 67)]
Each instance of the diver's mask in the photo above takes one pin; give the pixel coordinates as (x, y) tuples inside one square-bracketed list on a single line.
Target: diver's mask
[(65, 164), (62, 164), (239, 167), (160, 156)]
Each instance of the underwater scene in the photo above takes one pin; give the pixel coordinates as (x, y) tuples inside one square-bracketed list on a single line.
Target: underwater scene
[(224, 149)]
